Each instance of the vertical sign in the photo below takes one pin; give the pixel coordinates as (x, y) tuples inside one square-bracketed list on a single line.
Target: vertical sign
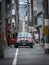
[(48, 7), (0, 20)]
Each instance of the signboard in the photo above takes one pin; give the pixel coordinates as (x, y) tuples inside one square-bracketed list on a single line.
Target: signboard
[(0, 10), (48, 6), (0, 20)]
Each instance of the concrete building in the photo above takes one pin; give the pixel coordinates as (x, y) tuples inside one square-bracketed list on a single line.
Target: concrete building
[(23, 13)]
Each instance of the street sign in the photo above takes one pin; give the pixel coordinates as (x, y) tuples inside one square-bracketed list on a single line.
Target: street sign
[(0, 21)]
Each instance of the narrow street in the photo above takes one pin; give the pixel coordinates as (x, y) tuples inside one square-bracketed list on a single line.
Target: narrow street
[(26, 56), (24, 32), (35, 56)]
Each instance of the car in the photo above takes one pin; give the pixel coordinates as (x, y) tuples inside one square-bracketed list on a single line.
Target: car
[(25, 39), (13, 41)]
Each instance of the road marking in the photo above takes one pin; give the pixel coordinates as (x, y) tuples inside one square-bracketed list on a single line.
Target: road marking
[(15, 58)]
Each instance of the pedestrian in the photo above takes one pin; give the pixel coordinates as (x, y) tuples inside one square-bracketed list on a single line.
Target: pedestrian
[(42, 39), (8, 39), (16, 34), (36, 37)]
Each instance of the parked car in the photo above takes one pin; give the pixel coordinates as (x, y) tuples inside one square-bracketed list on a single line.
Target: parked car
[(25, 39), (13, 41)]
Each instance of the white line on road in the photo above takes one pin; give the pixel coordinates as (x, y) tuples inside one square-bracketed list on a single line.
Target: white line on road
[(15, 58)]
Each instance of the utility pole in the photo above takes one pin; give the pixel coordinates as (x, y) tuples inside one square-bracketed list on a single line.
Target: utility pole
[(46, 26), (32, 11), (11, 28), (17, 15), (3, 21), (28, 13), (2, 35)]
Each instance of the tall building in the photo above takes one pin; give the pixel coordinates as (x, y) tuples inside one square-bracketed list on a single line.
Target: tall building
[(24, 13)]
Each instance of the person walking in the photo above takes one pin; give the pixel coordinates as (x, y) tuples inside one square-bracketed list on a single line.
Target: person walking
[(42, 39), (36, 37), (8, 39)]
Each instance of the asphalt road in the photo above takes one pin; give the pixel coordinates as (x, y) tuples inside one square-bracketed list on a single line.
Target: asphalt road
[(32, 56), (25, 56), (9, 54)]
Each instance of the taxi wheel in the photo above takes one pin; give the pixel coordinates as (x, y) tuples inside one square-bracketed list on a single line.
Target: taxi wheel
[(15, 46), (31, 46)]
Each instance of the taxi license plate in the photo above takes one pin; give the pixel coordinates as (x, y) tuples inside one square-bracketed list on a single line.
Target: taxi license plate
[(24, 43)]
